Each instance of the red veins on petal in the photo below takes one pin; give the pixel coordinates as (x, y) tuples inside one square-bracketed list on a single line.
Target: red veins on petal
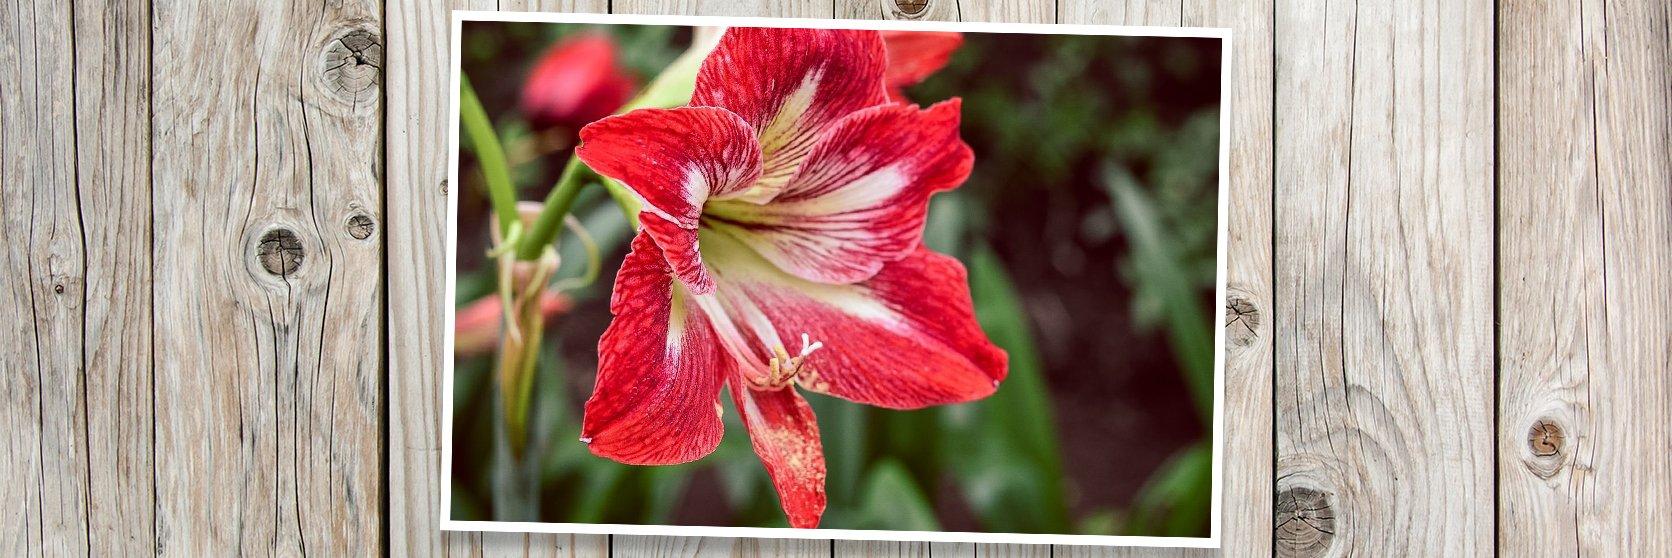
[(675, 160), (786, 437), (904, 339), (659, 371), (859, 200), (575, 82), (915, 55), (789, 84)]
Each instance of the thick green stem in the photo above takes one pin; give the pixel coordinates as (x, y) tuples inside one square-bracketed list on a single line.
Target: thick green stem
[(549, 223), (489, 155)]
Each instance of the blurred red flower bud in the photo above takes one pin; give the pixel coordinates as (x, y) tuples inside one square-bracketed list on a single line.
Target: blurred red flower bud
[(575, 82), (476, 326)]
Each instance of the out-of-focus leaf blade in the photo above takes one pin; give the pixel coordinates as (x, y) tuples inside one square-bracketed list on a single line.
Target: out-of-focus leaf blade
[(892, 501), (1161, 276), (1177, 498), (1005, 447)]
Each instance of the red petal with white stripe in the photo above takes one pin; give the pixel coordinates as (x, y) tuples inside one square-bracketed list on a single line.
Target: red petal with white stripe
[(860, 199), (790, 84), (675, 160), (656, 401), (904, 339)]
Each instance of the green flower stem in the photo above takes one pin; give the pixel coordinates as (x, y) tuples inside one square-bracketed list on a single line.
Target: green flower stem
[(549, 223), (489, 154)]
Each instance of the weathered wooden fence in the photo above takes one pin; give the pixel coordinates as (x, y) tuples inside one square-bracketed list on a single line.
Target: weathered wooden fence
[(1450, 275)]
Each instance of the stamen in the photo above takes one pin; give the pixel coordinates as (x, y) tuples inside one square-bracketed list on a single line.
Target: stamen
[(783, 369)]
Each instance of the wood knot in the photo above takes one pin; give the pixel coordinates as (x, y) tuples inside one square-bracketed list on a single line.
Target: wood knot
[(360, 226), (353, 64), (1242, 320), (280, 252), (1545, 438), (1305, 522), (912, 8)]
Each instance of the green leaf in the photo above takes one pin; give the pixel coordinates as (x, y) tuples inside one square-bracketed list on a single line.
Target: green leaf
[(892, 501), (1177, 498), (663, 486), (484, 141), (1009, 461), (1166, 283)]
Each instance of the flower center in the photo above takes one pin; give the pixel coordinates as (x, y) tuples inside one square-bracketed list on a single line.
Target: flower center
[(783, 368)]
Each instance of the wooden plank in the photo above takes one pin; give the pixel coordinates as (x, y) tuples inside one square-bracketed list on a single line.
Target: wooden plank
[(760, 8), (1585, 240), (113, 171), (269, 407), (1384, 278), (535, 545), (712, 547), (927, 10), (42, 282), (893, 549), (1165, 13), (418, 40)]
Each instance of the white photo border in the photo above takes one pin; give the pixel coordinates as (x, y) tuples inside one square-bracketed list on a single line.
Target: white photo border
[(1215, 520)]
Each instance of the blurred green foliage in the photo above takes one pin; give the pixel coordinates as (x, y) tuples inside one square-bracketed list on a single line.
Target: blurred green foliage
[(1096, 175)]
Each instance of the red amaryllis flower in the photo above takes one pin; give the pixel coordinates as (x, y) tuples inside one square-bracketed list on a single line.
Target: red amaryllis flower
[(914, 55), (575, 82), (780, 249)]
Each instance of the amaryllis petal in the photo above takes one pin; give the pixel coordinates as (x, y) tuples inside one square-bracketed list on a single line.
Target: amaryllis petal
[(914, 55), (789, 84), (575, 82), (786, 437), (656, 401), (860, 199), (904, 339), (675, 160)]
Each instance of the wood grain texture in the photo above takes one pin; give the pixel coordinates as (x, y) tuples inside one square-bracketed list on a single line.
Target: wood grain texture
[(715, 547), (269, 315), (417, 73), (1384, 278), (43, 283), (113, 175), (898, 549), (1585, 245)]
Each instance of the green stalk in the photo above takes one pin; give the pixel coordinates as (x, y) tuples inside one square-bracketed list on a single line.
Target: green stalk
[(549, 223), (491, 157)]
